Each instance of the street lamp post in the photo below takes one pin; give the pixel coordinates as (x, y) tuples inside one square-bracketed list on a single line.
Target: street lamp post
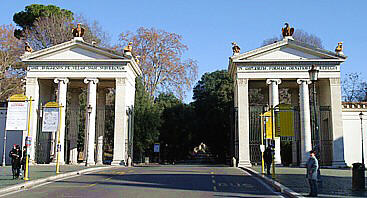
[(89, 110), (313, 73), (361, 117)]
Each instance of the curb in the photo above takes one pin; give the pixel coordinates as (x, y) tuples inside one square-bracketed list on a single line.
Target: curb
[(29, 184), (276, 185)]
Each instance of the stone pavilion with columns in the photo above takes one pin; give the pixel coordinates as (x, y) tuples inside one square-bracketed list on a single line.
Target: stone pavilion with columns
[(61, 71), (285, 65)]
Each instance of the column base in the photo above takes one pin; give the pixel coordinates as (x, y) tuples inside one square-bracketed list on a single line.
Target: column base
[(339, 164), (118, 163), (91, 164), (244, 164), (99, 163)]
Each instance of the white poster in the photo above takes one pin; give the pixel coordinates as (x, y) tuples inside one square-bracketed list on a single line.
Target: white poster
[(17, 116), (50, 120)]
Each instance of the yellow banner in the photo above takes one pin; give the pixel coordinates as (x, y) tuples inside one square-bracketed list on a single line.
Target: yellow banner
[(285, 124), (268, 125)]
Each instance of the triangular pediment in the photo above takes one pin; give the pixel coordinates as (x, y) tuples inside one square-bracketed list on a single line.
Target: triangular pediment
[(72, 50), (287, 49)]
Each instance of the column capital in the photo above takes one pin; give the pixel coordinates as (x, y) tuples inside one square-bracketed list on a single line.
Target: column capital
[(300, 81), (334, 81), (242, 81), (92, 80), (120, 81), (270, 81), (30, 80), (62, 80)]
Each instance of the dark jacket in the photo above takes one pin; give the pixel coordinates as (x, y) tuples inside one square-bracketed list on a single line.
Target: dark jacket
[(268, 157), (312, 166), (15, 156)]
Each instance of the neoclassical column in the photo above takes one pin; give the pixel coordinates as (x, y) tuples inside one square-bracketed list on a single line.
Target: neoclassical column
[(32, 90), (241, 92), (119, 148), (101, 104), (273, 101), (61, 98), (74, 124), (305, 119), (91, 118)]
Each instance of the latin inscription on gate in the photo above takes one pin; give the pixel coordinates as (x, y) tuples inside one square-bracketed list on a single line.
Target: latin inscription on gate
[(76, 68), (286, 68)]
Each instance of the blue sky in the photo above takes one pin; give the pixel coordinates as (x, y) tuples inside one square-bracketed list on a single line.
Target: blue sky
[(209, 26)]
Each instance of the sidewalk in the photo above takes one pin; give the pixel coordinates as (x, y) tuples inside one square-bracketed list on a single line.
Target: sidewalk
[(335, 182), (35, 172)]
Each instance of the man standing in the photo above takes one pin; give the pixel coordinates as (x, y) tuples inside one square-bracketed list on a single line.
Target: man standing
[(15, 155), (311, 175), (268, 159)]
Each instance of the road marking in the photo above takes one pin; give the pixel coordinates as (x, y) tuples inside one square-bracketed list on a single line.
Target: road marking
[(214, 188), (213, 176), (213, 181), (108, 178), (92, 185)]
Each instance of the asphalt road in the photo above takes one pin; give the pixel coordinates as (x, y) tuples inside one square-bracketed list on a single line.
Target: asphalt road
[(161, 181)]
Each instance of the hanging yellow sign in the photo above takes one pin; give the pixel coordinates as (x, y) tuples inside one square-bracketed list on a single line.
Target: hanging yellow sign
[(268, 125), (284, 121)]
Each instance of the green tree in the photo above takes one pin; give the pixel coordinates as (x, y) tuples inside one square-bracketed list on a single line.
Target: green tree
[(213, 100), (178, 129), (25, 19), (146, 122)]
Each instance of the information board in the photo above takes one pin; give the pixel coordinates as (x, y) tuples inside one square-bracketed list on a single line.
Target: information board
[(156, 148), (50, 120), (17, 116)]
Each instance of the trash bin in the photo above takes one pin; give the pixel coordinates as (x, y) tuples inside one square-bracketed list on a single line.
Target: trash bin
[(358, 176)]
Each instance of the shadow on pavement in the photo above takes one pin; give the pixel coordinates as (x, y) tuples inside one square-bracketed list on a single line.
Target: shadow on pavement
[(193, 182)]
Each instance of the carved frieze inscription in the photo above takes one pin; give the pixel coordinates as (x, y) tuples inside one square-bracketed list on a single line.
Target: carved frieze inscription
[(76, 68), (286, 68)]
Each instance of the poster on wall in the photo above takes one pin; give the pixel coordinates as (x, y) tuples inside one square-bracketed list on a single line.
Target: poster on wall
[(50, 120), (17, 116)]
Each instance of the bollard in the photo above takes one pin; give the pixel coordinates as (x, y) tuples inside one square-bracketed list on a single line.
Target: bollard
[(358, 176)]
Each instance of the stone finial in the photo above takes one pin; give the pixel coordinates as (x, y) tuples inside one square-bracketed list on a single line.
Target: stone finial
[(128, 49), (235, 48), (78, 31), (287, 31), (27, 47), (339, 48)]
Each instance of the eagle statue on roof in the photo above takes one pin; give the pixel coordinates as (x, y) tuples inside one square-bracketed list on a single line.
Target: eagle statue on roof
[(235, 48), (78, 31), (287, 30)]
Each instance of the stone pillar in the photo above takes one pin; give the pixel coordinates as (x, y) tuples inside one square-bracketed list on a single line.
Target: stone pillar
[(74, 125), (273, 101), (91, 118), (305, 119), (61, 98), (337, 123), (32, 90), (101, 103), (243, 122), (119, 150)]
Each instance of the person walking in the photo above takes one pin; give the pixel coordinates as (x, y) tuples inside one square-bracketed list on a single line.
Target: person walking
[(15, 154), (312, 166), (268, 159)]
